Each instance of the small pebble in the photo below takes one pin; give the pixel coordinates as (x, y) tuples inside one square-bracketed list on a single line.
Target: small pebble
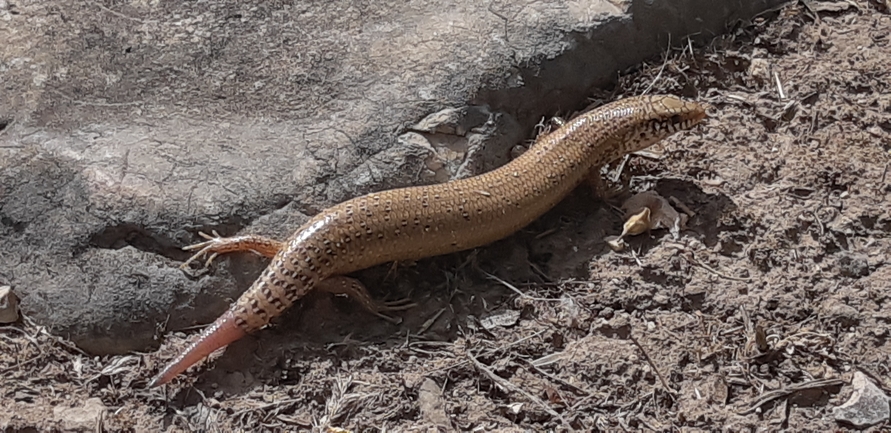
[(867, 406), (9, 305)]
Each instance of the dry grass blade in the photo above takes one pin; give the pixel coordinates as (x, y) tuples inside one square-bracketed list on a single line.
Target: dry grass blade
[(339, 404), (118, 365)]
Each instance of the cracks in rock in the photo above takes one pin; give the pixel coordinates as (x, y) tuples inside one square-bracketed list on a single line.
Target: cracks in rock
[(129, 234)]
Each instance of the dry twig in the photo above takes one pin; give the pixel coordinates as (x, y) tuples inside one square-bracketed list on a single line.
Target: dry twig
[(653, 366), (503, 383), (789, 390)]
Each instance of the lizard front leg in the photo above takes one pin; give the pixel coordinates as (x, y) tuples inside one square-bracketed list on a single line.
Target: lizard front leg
[(216, 245)]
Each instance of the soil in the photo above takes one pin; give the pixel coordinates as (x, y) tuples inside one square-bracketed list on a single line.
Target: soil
[(753, 318)]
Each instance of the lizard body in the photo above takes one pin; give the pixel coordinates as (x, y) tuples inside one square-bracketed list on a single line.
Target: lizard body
[(423, 221)]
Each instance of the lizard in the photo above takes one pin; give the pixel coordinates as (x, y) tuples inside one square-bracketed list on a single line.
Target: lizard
[(423, 221)]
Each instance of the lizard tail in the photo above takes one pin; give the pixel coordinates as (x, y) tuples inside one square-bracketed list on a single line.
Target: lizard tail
[(219, 334)]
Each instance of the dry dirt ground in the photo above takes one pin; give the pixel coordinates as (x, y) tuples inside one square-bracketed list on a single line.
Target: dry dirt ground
[(753, 319)]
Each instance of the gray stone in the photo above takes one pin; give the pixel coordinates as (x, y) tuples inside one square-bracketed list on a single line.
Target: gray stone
[(839, 312), (81, 418), (867, 406), (853, 266), (432, 405), (126, 129)]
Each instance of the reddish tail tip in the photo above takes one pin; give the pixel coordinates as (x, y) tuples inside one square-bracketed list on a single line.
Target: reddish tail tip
[(219, 334)]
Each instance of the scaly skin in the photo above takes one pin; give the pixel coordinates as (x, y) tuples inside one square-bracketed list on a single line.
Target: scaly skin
[(416, 222)]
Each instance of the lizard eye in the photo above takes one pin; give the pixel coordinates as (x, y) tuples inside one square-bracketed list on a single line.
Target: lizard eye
[(676, 119)]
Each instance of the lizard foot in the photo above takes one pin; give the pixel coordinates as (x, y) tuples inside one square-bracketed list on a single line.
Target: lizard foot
[(340, 285), (216, 245)]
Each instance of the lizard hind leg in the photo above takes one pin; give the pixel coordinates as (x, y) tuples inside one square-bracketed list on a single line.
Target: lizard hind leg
[(600, 187), (341, 285), (216, 245)]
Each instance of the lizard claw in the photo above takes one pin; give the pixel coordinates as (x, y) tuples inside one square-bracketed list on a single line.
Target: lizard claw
[(205, 248), (397, 305)]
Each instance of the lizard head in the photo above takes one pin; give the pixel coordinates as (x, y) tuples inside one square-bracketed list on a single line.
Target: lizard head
[(661, 116)]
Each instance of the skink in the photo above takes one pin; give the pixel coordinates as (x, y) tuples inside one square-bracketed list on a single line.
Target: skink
[(417, 222)]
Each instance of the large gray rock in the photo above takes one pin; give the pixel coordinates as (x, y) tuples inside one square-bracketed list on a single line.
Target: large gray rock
[(126, 128)]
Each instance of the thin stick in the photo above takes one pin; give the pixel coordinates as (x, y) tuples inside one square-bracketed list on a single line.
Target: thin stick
[(714, 271), (430, 322), (789, 390), (776, 77), (266, 406), (517, 291), (557, 379), (124, 16), (664, 62), (621, 168), (653, 366), (819, 223), (511, 387)]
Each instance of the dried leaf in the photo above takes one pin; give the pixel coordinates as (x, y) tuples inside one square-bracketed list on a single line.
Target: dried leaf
[(648, 211), (638, 223)]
